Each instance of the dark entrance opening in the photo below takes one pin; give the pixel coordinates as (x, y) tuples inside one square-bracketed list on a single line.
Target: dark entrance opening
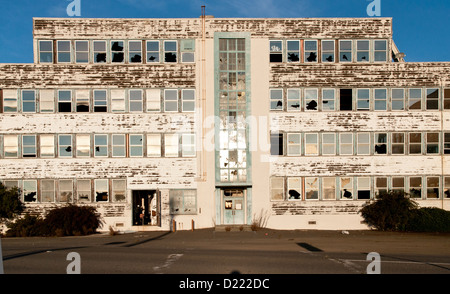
[(145, 207)]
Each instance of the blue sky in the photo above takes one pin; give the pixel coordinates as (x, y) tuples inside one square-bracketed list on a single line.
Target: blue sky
[(421, 27)]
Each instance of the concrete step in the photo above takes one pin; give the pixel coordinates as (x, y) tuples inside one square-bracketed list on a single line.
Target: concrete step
[(234, 228)]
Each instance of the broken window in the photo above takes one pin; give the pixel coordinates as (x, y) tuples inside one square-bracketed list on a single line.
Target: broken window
[(47, 190), (29, 146), (381, 185), (82, 98), (119, 188), (187, 51), (346, 144), (311, 99), (153, 145), (380, 143), (46, 101), (363, 99), (28, 101), (446, 187), (153, 99), (136, 100), (398, 184), (83, 145), (101, 190), (65, 191), (432, 143), (65, 145), (63, 48), (45, 51), (415, 99), (117, 51), (432, 99), (380, 99), (183, 201), (415, 187), (294, 144), (170, 51), (10, 100), (11, 146), (82, 51), (100, 101), (329, 188), (433, 184), (100, 145), (117, 100), (276, 99), (311, 144), (415, 143), (312, 188), (398, 143), (345, 51), (363, 144), (328, 144), (447, 98), (380, 50), (328, 51), (293, 51), (362, 50), (152, 51), (294, 186), (170, 100), (29, 191), (64, 101), (446, 143), (47, 143), (118, 145), (135, 51), (346, 191), (293, 100), (136, 145), (346, 99), (363, 187), (84, 190), (276, 144), (99, 51), (328, 99), (187, 145), (171, 145), (310, 50), (276, 51), (398, 99), (188, 100)]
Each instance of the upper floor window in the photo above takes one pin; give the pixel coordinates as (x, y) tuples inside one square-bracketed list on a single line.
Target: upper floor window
[(170, 51), (432, 99), (345, 50), (28, 101), (380, 50), (100, 101), (152, 51), (45, 51), (82, 51), (135, 51), (293, 51), (117, 51), (10, 100), (64, 51), (311, 50), (47, 100), (328, 51), (276, 51), (65, 101), (363, 51), (99, 51)]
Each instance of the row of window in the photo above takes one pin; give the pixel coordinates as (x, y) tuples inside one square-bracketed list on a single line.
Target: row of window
[(97, 190), (357, 188), (111, 100), (98, 145), (328, 51), (69, 190), (378, 99), (116, 51), (361, 143)]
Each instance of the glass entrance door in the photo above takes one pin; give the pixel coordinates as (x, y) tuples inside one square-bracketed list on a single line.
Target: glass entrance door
[(234, 205)]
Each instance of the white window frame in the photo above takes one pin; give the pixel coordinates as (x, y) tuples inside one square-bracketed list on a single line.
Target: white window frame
[(294, 98), (358, 50), (376, 143), (101, 145), (118, 100), (82, 97), (116, 189), (273, 49), (412, 144), (136, 101), (77, 51), (341, 144), (46, 101), (94, 52), (64, 101), (152, 52), (292, 143), (61, 191), (393, 143), (47, 141), (430, 143), (96, 184), (346, 51), (100, 102), (11, 100), (114, 145), (87, 191), (46, 52), (131, 145), (308, 146), (71, 146), (343, 188), (363, 99), (438, 188), (375, 51), (395, 188), (112, 52), (276, 99), (410, 186), (134, 52), (397, 99), (328, 52), (33, 154), (311, 94), (153, 143), (33, 101), (328, 99), (153, 97), (52, 197), (316, 51), (186, 100), (11, 142), (59, 51), (34, 190), (294, 183), (360, 146), (326, 143), (82, 146), (171, 101), (170, 51), (288, 51), (361, 186), (432, 99), (378, 99), (314, 186), (325, 187), (417, 99)]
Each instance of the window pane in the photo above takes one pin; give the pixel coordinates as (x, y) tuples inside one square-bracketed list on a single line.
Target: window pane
[(101, 190), (65, 191)]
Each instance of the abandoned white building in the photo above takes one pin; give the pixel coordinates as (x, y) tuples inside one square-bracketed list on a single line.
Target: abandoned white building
[(210, 121)]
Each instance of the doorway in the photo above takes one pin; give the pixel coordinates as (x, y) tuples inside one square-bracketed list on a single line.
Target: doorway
[(234, 206), (146, 210)]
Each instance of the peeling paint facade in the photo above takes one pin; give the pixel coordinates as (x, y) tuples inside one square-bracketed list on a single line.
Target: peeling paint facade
[(196, 123)]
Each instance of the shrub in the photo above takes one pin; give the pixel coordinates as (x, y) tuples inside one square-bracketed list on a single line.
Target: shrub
[(70, 220), (429, 219), (73, 220), (10, 204), (390, 212), (28, 226)]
